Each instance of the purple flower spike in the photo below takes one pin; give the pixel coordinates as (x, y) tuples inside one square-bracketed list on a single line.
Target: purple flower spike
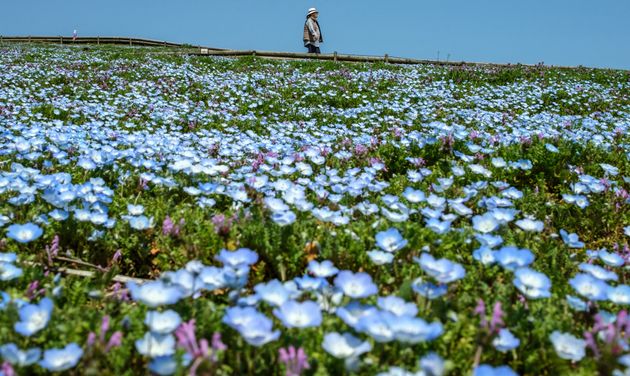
[(294, 360)]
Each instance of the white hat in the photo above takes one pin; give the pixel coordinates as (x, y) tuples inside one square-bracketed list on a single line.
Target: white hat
[(311, 11)]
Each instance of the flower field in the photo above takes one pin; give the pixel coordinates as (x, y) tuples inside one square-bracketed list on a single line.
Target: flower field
[(163, 214)]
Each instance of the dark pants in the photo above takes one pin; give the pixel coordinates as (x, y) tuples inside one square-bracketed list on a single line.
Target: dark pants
[(312, 49)]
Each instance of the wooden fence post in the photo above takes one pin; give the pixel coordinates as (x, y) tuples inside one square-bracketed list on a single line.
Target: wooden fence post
[(61, 39), (130, 42), (29, 39), (335, 56), (386, 58), (98, 41), (254, 53)]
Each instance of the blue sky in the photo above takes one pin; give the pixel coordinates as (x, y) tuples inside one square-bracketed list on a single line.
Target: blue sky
[(558, 32)]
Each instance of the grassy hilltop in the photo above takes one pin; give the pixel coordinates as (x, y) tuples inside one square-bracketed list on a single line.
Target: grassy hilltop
[(381, 219)]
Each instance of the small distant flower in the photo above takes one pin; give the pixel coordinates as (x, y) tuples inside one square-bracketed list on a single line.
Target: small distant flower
[(24, 233), (589, 287), (486, 370), (237, 258), (598, 272), (135, 209), (344, 345), (355, 285), (140, 222), (619, 294), (443, 270), (505, 341), (512, 258), (397, 306), (9, 271), (57, 360), (299, 315), (380, 257), (530, 225), (155, 293), (428, 289), (253, 326), (20, 358), (485, 223), (568, 346), (34, 317), (154, 345), (390, 240), (571, 240), (432, 364), (577, 303), (162, 322), (532, 284), (294, 360), (322, 269)]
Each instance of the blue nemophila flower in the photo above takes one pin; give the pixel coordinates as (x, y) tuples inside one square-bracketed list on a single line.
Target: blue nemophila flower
[(530, 225), (484, 255), (609, 169), (211, 278), (141, 222), (299, 315), (428, 289), (322, 269), (353, 311), (488, 240), (579, 200), (397, 306), (533, 284), (390, 240), (255, 328), (619, 294), (577, 303), (283, 218), (610, 259), (551, 148), (8, 257), (487, 370), (308, 283), (237, 258), (571, 240), (485, 223), (411, 329), (34, 317), (344, 346), (24, 233), (155, 344), (568, 346), (589, 287), (162, 322), (598, 272), (168, 364), (57, 360), (505, 341), (432, 364), (442, 270), (413, 195), (9, 271), (380, 257), (355, 285), (21, 358), (626, 230), (273, 292), (155, 293), (512, 258)]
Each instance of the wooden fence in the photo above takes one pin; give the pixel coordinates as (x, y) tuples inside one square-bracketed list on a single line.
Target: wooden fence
[(187, 49)]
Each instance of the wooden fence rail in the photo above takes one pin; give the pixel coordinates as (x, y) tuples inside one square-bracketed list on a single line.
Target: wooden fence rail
[(187, 49)]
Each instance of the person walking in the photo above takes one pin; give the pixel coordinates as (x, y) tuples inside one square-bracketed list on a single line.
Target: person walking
[(312, 32)]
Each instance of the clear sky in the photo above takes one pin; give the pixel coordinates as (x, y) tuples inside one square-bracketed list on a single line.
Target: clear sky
[(592, 33)]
